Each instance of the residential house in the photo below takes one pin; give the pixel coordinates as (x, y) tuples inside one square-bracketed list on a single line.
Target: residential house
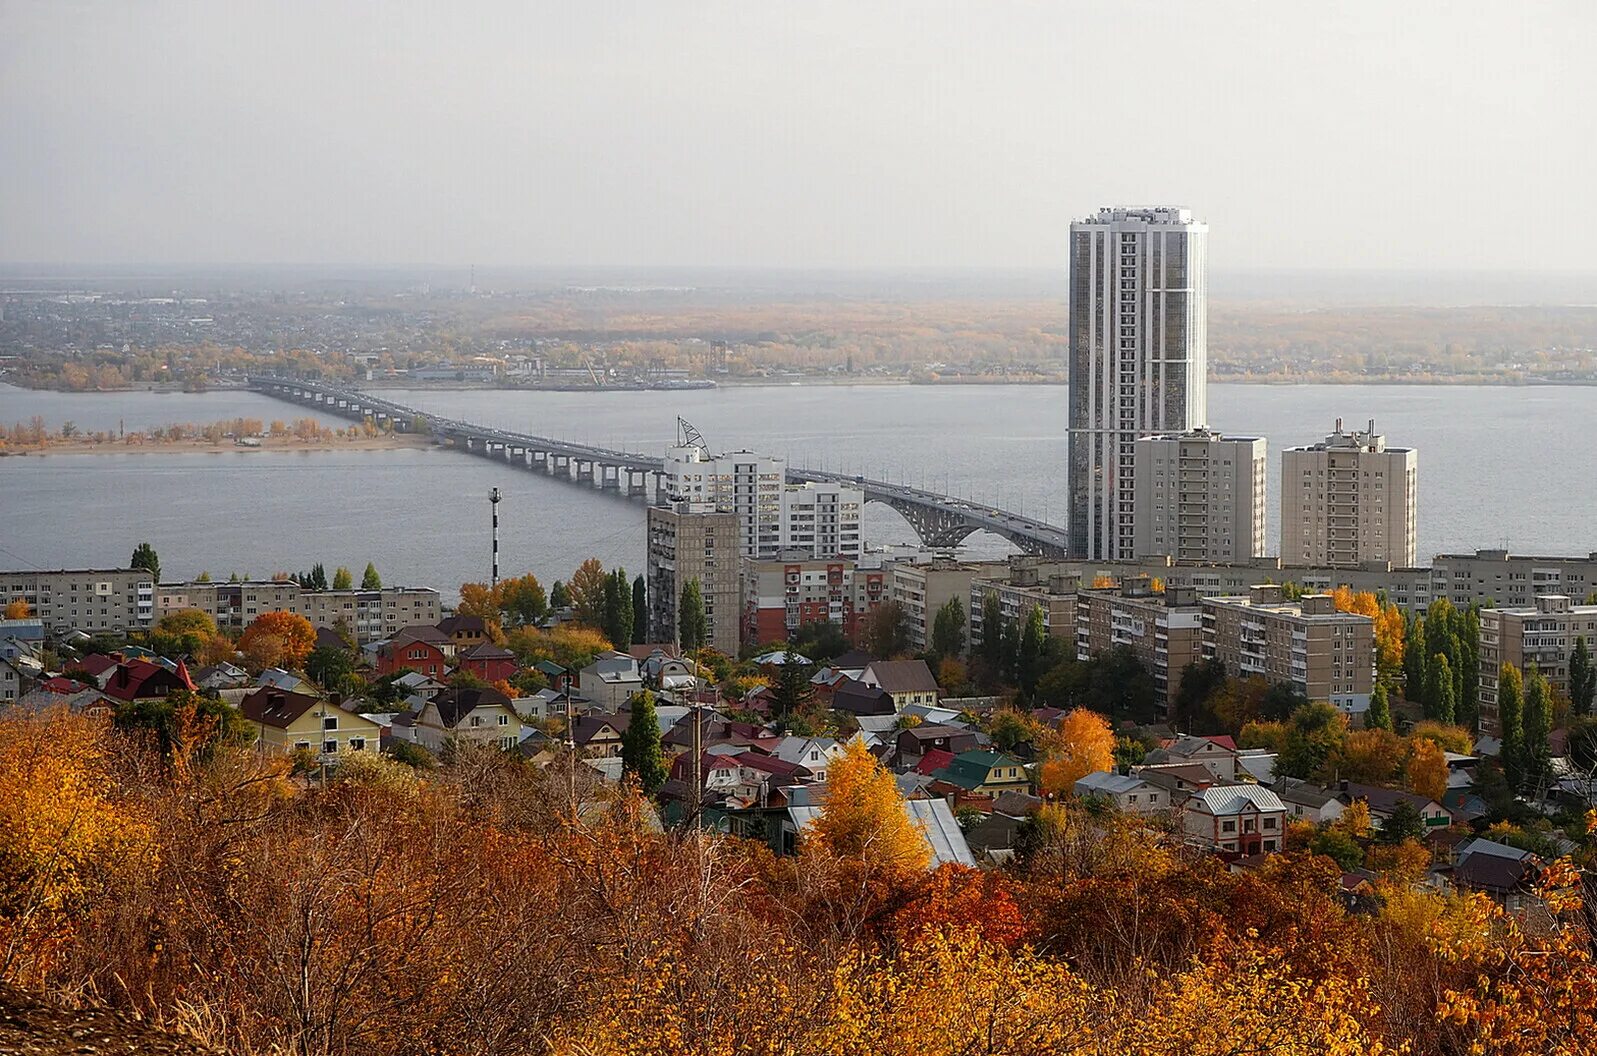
[(1217, 754), (815, 754), (1308, 801), (610, 680), (1506, 874), (97, 666), (857, 698), (144, 680), (11, 682), (421, 649), (557, 677), (983, 773), (463, 632), (600, 735), (489, 662), (906, 681), (1179, 780), (916, 741), (1241, 819), (1134, 795), (221, 676), (1383, 802), (288, 721), (478, 715), (416, 684)]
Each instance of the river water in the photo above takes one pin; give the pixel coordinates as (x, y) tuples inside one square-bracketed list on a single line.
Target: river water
[(1497, 466)]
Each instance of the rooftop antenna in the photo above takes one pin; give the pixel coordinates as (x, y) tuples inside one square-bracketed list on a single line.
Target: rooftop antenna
[(493, 501)]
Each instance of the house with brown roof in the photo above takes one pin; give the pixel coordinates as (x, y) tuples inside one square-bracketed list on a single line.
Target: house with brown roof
[(1383, 802), (463, 632), (906, 681), (857, 698), (916, 741), (489, 662), (287, 721), (143, 680), (480, 715), (600, 735)]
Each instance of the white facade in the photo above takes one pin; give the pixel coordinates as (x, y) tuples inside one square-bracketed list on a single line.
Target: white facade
[(1138, 358), (820, 519), (1200, 496), (1347, 500)]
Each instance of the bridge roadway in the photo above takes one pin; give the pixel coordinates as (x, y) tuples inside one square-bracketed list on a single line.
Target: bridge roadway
[(939, 520)]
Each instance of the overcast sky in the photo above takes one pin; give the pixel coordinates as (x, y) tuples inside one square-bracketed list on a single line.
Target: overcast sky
[(865, 133)]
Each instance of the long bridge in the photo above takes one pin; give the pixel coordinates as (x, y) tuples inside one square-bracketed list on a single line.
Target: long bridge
[(939, 520)]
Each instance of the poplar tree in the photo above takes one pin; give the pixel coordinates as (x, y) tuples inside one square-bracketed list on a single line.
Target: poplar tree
[(1511, 719), (641, 756), (640, 611), (1582, 678), (692, 626), (1538, 724), (1379, 717), (1440, 702)]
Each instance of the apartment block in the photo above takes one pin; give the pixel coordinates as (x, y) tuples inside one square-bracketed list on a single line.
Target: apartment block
[(1164, 629), (1511, 581), (1347, 500), (921, 588), (1200, 496), (370, 615), (91, 600), (1327, 655), (1027, 581), (1543, 634), (822, 519), (684, 545), (781, 597)]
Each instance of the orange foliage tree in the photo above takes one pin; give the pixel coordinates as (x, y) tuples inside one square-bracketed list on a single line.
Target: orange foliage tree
[(1081, 744), (278, 639), (18, 609), (1426, 772), (1388, 624)]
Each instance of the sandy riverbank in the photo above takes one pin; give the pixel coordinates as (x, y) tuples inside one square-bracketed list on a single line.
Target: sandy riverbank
[(388, 442)]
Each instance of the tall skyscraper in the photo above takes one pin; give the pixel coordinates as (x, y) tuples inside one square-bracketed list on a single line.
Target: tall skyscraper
[(1139, 359)]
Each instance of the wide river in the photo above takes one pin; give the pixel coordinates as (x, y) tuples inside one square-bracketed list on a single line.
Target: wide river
[(1497, 466)]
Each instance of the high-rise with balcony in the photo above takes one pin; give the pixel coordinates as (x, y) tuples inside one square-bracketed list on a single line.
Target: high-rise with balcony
[(1200, 497), (1542, 634), (1348, 500), (1138, 359), (1325, 654)]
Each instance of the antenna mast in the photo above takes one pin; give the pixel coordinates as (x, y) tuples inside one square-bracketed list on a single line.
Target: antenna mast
[(493, 501)]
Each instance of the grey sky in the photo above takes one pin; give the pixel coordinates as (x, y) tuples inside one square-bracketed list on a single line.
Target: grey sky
[(1352, 135)]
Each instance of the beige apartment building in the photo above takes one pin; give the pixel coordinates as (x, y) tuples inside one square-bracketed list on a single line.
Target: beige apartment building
[(1163, 629), (370, 615), (90, 600), (1200, 496), (1327, 655), (1543, 634), (922, 588), (1498, 579), (1025, 582), (1347, 500), (684, 545)]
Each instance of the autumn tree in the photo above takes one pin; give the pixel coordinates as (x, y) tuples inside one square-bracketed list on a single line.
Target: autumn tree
[(587, 589), (641, 756), (887, 630), (1426, 771), (343, 579), (693, 627), (522, 600), (144, 557), (559, 596), (1081, 744), (371, 580), (948, 630), (18, 609), (479, 599), (863, 817), (278, 639)]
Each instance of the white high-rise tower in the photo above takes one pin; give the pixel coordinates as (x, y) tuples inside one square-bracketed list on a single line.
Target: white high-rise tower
[(1138, 359)]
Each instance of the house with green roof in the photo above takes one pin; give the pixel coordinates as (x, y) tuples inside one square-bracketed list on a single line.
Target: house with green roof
[(983, 773)]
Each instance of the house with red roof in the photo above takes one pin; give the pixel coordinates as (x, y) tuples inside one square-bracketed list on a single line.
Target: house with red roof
[(489, 662), (143, 680)]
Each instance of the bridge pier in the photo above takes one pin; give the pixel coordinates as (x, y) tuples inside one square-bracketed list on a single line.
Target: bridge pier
[(540, 461), (585, 471), (610, 478), (563, 466), (637, 484)]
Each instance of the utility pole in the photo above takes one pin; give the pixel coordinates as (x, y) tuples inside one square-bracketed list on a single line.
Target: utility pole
[(493, 500)]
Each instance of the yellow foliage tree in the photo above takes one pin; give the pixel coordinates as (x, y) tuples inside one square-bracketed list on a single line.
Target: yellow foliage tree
[(864, 819), (1082, 744), (18, 609), (1427, 769), (1388, 625), (278, 639)]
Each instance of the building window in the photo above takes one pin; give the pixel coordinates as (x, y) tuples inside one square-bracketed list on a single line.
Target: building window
[(357, 744), (330, 722)]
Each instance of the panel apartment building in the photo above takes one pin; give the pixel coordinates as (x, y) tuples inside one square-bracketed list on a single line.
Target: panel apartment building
[(1347, 500), (685, 544), (1327, 655), (781, 597), (1543, 634), (1200, 496), (774, 518), (370, 615), (90, 600), (1164, 629), (1138, 359), (1049, 585)]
